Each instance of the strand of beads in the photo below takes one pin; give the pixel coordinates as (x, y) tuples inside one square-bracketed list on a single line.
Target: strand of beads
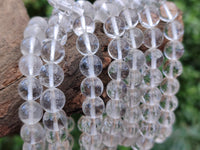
[(30, 89), (91, 87)]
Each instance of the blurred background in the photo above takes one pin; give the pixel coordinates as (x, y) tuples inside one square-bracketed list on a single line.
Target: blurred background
[(186, 135)]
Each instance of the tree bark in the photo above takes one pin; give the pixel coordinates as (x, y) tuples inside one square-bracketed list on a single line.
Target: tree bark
[(13, 21)]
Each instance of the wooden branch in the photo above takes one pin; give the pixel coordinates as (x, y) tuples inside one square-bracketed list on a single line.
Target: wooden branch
[(13, 21)]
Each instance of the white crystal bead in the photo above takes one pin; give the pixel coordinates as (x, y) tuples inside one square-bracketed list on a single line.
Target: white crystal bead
[(30, 112), (111, 140), (90, 142), (87, 7), (55, 32), (132, 115), (130, 130), (172, 69), (114, 109), (133, 97), (149, 130), (145, 143), (167, 118), (51, 75), (169, 103), (30, 88), (170, 86), (30, 65), (152, 77), (152, 96), (163, 133), (70, 124), (39, 21), (56, 136), (154, 58), (134, 79), (112, 126), (37, 146)]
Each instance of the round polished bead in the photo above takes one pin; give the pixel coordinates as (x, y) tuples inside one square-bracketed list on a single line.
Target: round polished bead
[(130, 130), (154, 58), (163, 133), (52, 51), (30, 112), (31, 45), (91, 65), (39, 21), (111, 140), (51, 75), (55, 136), (149, 130), (118, 48), (30, 65), (114, 109), (145, 143), (170, 86), (167, 118), (52, 100), (169, 103), (118, 70), (92, 87), (134, 79), (83, 24), (92, 142), (37, 146), (132, 115), (87, 7), (172, 69), (70, 124), (153, 77), (133, 97), (153, 38), (32, 133), (152, 96), (87, 43), (55, 32), (30, 88)]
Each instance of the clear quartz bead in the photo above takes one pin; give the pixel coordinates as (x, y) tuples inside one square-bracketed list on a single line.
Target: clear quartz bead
[(87, 43), (132, 115), (152, 96), (114, 27), (90, 142), (170, 86), (111, 140), (153, 37), (70, 124), (52, 100), (114, 109), (37, 146), (133, 97), (163, 133), (130, 130), (154, 58), (91, 65), (134, 79), (30, 65), (145, 143), (168, 103), (172, 69), (30, 112), (112, 126), (32, 133), (39, 21), (55, 32), (167, 118), (51, 75), (153, 77), (30, 88), (87, 7), (118, 48), (92, 87), (55, 136), (149, 130)]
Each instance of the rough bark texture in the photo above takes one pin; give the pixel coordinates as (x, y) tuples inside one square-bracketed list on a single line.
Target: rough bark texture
[(13, 21)]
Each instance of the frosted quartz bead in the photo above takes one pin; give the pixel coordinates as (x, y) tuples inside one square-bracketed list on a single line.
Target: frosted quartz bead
[(118, 70), (114, 109), (132, 115), (173, 30), (149, 130), (37, 146), (134, 36), (130, 17), (32, 133), (39, 21), (90, 142), (168, 11), (87, 7), (93, 107), (52, 100), (130, 130), (91, 65), (152, 96), (172, 69), (87, 43), (52, 51), (133, 97), (30, 65), (116, 90), (31, 45), (30, 112), (83, 24), (153, 77), (30, 88), (55, 136), (167, 118), (114, 27), (92, 87), (135, 59), (112, 126), (154, 58), (118, 48), (149, 17), (55, 32), (145, 143), (51, 75), (163, 134), (55, 121), (174, 50), (153, 37), (169, 103), (111, 140), (170, 86), (134, 79)]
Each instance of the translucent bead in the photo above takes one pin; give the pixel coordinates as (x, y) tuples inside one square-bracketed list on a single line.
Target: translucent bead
[(111, 140), (112, 126), (52, 51), (174, 50), (30, 65), (118, 48), (39, 21), (37, 146), (92, 87), (87, 43), (93, 107), (130, 130), (51, 75), (32, 133), (145, 143), (168, 11), (173, 30), (133, 97), (172, 69), (130, 18), (149, 17), (70, 140), (114, 27), (83, 24), (52, 100), (70, 124), (170, 86), (152, 96), (55, 136), (154, 58), (116, 90), (114, 109), (87, 7), (153, 37), (134, 79), (55, 32), (55, 121), (132, 115), (30, 112), (163, 134), (135, 37), (31, 45), (30, 88), (91, 66), (90, 142), (153, 77), (149, 130), (169, 103), (167, 118), (118, 70), (135, 59)]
